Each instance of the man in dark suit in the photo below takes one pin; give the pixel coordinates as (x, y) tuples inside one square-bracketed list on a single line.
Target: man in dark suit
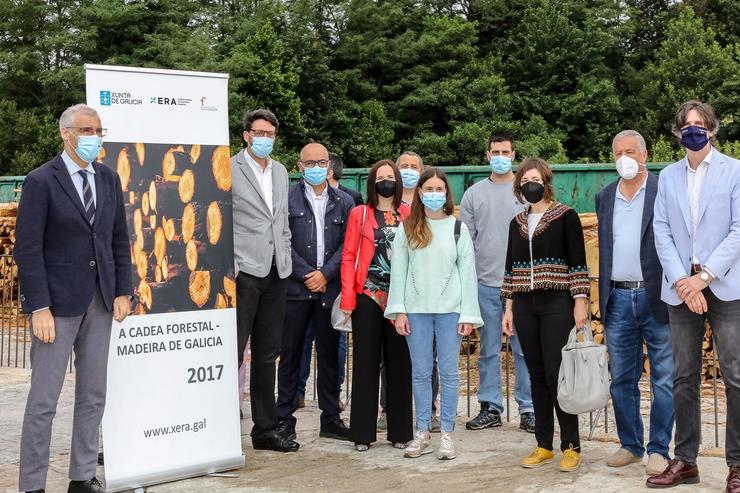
[(336, 167), (74, 267), (629, 298)]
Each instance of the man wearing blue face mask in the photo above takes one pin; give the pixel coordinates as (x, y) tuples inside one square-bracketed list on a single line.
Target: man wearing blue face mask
[(487, 208), (410, 165), (74, 265), (318, 218), (697, 237), (262, 256)]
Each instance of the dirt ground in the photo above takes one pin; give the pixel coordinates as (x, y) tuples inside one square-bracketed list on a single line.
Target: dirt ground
[(487, 460)]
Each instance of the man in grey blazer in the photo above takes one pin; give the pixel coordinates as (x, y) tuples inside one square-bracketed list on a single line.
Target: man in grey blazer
[(262, 256), (697, 235)]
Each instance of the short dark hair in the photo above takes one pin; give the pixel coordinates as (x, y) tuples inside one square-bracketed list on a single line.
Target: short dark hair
[(706, 112), (372, 194), (500, 136), (336, 164), (261, 114), (545, 171)]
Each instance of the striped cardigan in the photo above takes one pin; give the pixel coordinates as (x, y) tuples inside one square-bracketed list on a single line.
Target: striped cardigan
[(558, 258)]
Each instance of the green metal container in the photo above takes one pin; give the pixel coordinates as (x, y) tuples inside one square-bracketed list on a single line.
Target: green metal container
[(576, 185), (8, 187)]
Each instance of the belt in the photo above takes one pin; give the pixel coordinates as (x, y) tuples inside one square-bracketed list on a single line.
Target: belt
[(628, 284), (696, 268)]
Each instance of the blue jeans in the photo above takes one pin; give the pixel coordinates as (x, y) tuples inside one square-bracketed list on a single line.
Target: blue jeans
[(489, 362), (305, 368), (426, 329), (627, 323)]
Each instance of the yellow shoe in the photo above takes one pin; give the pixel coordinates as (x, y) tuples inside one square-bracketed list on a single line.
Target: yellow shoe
[(570, 461), (539, 457)]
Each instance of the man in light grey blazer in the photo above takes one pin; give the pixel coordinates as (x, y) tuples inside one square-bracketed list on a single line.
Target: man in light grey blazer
[(263, 260), (696, 224)]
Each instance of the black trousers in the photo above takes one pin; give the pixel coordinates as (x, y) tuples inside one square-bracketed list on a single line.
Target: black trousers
[(543, 320), (297, 317), (687, 334), (373, 335), (260, 307)]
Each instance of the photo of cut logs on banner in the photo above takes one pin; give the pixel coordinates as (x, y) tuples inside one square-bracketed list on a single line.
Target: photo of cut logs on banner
[(178, 209)]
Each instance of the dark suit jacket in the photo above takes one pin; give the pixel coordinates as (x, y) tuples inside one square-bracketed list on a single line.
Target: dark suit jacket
[(651, 268), (61, 258), (356, 196), (303, 242)]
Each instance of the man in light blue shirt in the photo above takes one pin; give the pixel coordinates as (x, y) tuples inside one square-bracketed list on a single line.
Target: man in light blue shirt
[(629, 296)]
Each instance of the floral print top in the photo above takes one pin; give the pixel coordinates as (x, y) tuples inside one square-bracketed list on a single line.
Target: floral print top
[(379, 273)]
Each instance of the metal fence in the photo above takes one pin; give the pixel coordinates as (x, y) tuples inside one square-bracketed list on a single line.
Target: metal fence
[(15, 342)]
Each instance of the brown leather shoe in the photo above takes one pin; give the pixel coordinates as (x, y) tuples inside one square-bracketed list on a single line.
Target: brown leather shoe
[(733, 480), (677, 472)]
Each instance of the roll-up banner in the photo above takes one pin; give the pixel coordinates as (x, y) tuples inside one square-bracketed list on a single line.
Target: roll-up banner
[(172, 408)]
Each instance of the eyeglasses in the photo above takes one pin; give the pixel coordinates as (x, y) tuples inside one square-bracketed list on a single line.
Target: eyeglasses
[(101, 132), (262, 133), (322, 163)]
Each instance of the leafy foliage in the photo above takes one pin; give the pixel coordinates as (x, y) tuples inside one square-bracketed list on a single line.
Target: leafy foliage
[(371, 78)]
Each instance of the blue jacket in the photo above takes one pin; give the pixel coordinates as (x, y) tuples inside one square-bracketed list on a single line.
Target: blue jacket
[(651, 269), (61, 258), (717, 229), (303, 242)]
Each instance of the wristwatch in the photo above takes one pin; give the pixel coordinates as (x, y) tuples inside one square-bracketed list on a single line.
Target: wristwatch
[(705, 277)]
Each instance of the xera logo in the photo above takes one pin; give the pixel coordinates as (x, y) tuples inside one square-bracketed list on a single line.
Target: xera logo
[(167, 101), (104, 98)]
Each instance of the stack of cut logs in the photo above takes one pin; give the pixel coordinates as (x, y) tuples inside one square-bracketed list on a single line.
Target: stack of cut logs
[(180, 245), (591, 238), (8, 213)]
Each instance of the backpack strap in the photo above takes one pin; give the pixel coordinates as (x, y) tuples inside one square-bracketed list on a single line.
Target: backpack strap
[(458, 226)]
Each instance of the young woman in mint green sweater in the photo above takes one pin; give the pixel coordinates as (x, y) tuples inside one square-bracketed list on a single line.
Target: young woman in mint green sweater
[(433, 299)]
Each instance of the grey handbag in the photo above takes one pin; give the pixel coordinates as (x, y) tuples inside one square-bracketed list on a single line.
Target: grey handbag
[(583, 381)]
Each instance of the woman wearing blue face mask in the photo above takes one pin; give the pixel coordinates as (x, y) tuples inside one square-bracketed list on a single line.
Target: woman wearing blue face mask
[(433, 265)]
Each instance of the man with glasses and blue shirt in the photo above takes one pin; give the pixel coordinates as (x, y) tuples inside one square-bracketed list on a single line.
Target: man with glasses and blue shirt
[(487, 209), (318, 218), (74, 267), (629, 298)]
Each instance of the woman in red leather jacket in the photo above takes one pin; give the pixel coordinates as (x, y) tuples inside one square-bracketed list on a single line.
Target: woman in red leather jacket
[(365, 273)]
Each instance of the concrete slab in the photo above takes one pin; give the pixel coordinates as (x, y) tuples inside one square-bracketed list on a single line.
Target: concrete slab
[(487, 460)]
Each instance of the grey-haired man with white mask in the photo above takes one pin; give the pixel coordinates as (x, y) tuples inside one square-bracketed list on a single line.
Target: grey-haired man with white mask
[(633, 314)]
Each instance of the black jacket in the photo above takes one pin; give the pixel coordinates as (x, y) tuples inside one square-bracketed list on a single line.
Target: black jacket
[(355, 195), (649, 262), (303, 242), (61, 258)]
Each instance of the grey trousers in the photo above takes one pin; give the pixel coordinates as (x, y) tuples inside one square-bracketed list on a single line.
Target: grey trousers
[(687, 332), (89, 336)]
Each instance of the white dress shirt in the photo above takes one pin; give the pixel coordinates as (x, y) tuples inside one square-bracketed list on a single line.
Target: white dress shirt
[(75, 172), (695, 184), (318, 205), (264, 177)]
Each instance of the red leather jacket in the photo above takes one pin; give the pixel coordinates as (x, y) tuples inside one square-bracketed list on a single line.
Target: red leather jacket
[(353, 280)]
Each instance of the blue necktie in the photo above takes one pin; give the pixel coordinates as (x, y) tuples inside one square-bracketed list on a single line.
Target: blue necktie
[(87, 198)]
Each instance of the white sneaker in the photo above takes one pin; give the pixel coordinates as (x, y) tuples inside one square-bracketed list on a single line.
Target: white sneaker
[(420, 445), (446, 448)]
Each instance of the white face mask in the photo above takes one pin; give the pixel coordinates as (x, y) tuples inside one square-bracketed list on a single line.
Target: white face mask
[(627, 167)]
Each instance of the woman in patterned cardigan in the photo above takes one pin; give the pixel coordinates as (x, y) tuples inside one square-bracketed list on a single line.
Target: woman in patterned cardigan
[(546, 289)]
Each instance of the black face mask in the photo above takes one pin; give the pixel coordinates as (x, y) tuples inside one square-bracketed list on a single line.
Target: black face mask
[(533, 191), (385, 188)]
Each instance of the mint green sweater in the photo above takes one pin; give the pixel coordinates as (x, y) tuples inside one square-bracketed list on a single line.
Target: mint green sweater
[(439, 278)]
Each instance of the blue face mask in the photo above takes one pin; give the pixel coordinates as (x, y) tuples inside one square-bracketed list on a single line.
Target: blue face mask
[(262, 146), (500, 164), (410, 177), (315, 176), (88, 147), (694, 138), (434, 201)]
